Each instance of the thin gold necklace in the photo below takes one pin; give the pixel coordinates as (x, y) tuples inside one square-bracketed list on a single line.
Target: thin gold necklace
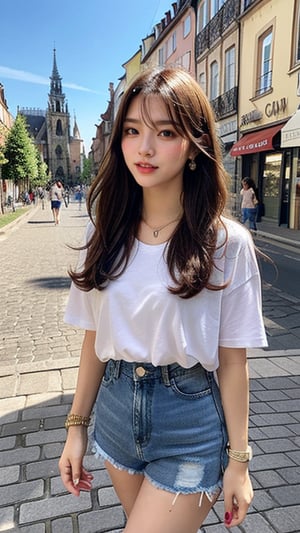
[(156, 231)]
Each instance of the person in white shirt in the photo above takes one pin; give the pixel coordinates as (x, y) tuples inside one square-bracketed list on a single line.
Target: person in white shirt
[(56, 196), (168, 292)]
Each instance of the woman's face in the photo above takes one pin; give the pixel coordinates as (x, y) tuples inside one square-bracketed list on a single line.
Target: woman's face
[(154, 153)]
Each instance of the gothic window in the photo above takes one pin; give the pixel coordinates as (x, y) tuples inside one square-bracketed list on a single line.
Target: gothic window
[(59, 172), (57, 106), (58, 152), (59, 130)]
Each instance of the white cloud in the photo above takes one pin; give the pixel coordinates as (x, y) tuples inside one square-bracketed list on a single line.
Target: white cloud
[(22, 75)]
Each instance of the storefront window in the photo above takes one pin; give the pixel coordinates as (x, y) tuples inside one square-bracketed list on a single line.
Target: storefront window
[(271, 184), (297, 196)]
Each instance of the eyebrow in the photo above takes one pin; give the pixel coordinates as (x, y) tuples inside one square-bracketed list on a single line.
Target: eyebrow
[(157, 122)]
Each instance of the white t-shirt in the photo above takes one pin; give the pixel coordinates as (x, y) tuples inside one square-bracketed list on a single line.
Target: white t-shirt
[(137, 319)]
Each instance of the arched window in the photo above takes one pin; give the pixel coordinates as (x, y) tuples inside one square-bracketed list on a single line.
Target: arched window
[(264, 64), (214, 80), (59, 130), (59, 172), (202, 18), (58, 152), (229, 80)]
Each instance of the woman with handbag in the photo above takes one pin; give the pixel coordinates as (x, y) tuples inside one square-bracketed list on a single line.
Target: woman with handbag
[(160, 290)]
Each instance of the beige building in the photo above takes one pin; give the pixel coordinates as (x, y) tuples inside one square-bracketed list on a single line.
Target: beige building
[(269, 69)]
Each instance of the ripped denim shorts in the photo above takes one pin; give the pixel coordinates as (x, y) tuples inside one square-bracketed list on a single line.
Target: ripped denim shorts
[(165, 422)]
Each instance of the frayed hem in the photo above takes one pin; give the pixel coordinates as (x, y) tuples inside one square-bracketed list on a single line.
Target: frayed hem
[(99, 452), (210, 493)]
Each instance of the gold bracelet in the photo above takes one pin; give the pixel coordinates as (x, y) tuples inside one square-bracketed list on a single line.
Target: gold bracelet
[(241, 457), (77, 420)]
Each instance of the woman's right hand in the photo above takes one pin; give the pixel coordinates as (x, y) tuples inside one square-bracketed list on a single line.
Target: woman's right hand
[(74, 476)]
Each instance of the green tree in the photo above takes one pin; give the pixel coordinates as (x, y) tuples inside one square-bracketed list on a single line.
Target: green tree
[(3, 160), (42, 177), (20, 152), (87, 171)]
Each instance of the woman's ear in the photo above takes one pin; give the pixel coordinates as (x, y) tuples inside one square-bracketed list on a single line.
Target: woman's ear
[(205, 140)]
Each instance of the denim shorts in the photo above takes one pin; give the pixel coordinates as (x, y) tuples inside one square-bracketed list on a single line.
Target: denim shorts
[(164, 422)]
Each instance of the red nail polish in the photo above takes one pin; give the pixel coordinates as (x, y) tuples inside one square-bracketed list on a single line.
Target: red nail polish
[(227, 517)]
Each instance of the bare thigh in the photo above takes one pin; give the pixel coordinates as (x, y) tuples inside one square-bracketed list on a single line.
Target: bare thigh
[(126, 485), (153, 510)]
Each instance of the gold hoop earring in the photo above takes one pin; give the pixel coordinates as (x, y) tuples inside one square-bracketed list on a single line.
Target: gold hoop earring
[(192, 165)]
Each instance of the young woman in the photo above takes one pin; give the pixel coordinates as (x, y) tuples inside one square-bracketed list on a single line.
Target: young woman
[(168, 292), (249, 203), (56, 196)]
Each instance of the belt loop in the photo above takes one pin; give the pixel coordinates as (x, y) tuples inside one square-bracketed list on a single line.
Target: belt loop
[(165, 375)]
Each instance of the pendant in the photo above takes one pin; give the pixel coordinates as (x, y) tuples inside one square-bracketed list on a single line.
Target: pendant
[(155, 233)]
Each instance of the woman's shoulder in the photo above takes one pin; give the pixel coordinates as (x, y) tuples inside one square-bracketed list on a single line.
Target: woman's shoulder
[(233, 233)]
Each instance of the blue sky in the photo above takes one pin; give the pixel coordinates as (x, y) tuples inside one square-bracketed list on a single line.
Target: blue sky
[(92, 40)]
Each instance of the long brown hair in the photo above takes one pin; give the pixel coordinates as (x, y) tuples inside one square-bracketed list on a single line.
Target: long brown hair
[(115, 199)]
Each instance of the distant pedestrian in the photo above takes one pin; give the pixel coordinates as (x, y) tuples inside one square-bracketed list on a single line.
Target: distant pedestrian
[(66, 197), (56, 196), (41, 195), (168, 292), (249, 203), (79, 197)]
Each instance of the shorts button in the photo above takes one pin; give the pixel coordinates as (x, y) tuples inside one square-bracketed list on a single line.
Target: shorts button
[(140, 371)]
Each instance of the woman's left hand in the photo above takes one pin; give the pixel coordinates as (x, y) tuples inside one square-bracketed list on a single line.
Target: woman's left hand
[(238, 493)]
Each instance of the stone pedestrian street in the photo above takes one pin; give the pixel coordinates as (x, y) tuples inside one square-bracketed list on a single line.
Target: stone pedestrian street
[(39, 356)]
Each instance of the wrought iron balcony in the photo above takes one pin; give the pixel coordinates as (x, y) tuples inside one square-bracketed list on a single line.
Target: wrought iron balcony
[(217, 25), (226, 104)]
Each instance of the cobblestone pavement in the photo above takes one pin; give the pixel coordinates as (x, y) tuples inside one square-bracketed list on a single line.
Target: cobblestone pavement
[(39, 356)]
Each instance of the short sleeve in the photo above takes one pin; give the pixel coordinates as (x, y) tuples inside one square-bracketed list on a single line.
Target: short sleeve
[(81, 305), (241, 324)]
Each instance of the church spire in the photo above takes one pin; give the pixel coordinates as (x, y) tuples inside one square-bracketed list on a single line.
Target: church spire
[(56, 96), (55, 73), (55, 87)]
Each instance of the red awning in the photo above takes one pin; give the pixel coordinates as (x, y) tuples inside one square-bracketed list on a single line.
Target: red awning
[(258, 141)]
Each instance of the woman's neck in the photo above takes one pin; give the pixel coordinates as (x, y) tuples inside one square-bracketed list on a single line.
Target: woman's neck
[(161, 208)]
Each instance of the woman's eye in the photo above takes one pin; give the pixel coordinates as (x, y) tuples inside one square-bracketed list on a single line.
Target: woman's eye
[(166, 133), (130, 131)]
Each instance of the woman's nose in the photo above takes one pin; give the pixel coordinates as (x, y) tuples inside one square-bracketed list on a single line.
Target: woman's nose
[(146, 146)]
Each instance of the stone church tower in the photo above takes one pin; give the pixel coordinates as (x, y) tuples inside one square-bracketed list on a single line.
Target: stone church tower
[(58, 128)]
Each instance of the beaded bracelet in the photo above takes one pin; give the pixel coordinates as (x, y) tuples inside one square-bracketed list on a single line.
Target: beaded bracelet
[(77, 420)]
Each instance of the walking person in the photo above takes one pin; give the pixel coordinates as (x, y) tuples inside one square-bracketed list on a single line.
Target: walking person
[(160, 290), (249, 203), (56, 196)]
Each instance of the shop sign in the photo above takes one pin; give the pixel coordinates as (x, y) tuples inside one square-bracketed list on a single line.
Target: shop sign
[(273, 109), (253, 116)]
